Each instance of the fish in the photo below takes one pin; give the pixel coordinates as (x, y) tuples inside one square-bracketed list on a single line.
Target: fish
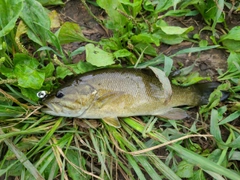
[(111, 93)]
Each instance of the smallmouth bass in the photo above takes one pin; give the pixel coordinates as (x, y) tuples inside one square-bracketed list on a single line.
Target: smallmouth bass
[(122, 92)]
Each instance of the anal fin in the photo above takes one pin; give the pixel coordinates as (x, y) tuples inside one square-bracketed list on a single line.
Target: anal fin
[(174, 113)]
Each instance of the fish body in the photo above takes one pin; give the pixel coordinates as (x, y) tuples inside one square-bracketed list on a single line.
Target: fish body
[(119, 92)]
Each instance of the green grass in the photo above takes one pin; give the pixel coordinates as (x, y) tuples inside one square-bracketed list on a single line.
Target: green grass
[(35, 145)]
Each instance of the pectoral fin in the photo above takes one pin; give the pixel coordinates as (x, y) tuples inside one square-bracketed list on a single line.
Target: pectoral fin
[(108, 98), (112, 121), (174, 113)]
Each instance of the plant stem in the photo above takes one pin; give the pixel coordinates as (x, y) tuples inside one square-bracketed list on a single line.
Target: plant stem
[(90, 12)]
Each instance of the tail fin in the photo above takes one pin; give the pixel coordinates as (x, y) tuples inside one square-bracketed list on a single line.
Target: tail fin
[(205, 89)]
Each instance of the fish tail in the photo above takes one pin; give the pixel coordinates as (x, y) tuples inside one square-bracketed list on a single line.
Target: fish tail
[(205, 90)]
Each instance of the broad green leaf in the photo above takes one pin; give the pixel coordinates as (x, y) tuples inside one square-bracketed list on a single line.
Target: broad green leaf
[(146, 38), (111, 44), (163, 5), (230, 118), (79, 68), (122, 53), (219, 16), (190, 79), (171, 34), (37, 21), (232, 45), (233, 70), (194, 147), (175, 30), (235, 143), (168, 63), (215, 155), (147, 48), (85, 67), (233, 34), (233, 62), (203, 43), (214, 126), (210, 11), (186, 3), (24, 59), (74, 158), (27, 73), (186, 70), (136, 6), (116, 20), (185, 169), (46, 48), (79, 50), (215, 98), (97, 56), (198, 175), (8, 72), (232, 40), (30, 93), (10, 11), (171, 39), (55, 19), (29, 77), (153, 62), (63, 71), (177, 13), (71, 32), (48, 70), (51, 2), (235, 155), (148, 5), (175, 2)]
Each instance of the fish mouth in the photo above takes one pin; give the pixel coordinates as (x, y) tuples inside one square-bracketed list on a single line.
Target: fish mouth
[(50, 109)]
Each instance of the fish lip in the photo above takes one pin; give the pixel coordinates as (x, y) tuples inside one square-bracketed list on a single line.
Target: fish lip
[(48, 108)]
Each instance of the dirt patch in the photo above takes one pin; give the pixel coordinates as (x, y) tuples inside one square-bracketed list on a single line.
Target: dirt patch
[(74, 11), (206, 63)]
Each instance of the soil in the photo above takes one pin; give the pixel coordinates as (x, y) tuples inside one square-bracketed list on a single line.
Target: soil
[(206, 63)]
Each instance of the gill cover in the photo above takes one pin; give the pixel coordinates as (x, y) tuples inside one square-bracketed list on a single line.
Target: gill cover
[(70, 101)]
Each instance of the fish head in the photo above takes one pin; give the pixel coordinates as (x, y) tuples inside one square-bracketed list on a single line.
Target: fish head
[(70, 101)]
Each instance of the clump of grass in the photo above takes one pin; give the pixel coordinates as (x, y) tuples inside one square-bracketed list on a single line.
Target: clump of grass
[(35, 145)]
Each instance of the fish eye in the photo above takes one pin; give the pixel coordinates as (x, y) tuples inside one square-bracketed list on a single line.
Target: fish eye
[(59, 94)]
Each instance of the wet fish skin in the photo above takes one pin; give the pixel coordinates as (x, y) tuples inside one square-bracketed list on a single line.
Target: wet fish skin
[(118, 92)]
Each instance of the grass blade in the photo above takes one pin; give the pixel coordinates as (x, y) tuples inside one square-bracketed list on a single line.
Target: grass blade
[(23, 159), (188, 155)]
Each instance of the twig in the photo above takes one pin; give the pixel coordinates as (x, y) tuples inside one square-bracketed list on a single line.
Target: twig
[(58, 62), (90, 12)]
